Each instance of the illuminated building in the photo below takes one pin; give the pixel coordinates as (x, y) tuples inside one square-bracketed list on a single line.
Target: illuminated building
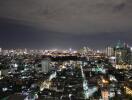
[(0, 75), (4, 72), (0, 49), (109, 51), (105, 95), (112, 60), (45, 65), (122, 54), (128, 90)]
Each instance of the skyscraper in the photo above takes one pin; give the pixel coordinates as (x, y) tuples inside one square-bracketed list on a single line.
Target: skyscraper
[(45, 65), (122, 54), (109, 51)]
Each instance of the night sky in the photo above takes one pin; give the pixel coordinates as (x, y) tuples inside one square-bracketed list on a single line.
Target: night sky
[(64, 23)]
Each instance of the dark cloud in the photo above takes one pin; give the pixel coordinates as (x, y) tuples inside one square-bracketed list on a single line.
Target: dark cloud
[(120, 6), (71, 15), (64, 22)]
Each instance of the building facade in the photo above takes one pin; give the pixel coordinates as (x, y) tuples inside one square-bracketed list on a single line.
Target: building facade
[(109, 51), (46, 65), (123, 54)]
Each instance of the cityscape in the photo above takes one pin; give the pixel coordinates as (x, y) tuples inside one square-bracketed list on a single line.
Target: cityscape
[(65, 49), (84, 74)]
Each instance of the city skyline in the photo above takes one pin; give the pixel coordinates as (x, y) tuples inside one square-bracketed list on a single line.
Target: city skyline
[(65, 50)]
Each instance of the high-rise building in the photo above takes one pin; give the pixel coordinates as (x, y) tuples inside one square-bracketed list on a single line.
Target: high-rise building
[(109, 51), (0, 49), (0, 73), (122, 54), (131, 54), (45, 65)]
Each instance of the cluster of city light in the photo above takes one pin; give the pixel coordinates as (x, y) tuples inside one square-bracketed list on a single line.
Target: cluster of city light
[(105, 95), (128, 90), (60, 52), (105, 81), (46, 84), (87, 91)]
